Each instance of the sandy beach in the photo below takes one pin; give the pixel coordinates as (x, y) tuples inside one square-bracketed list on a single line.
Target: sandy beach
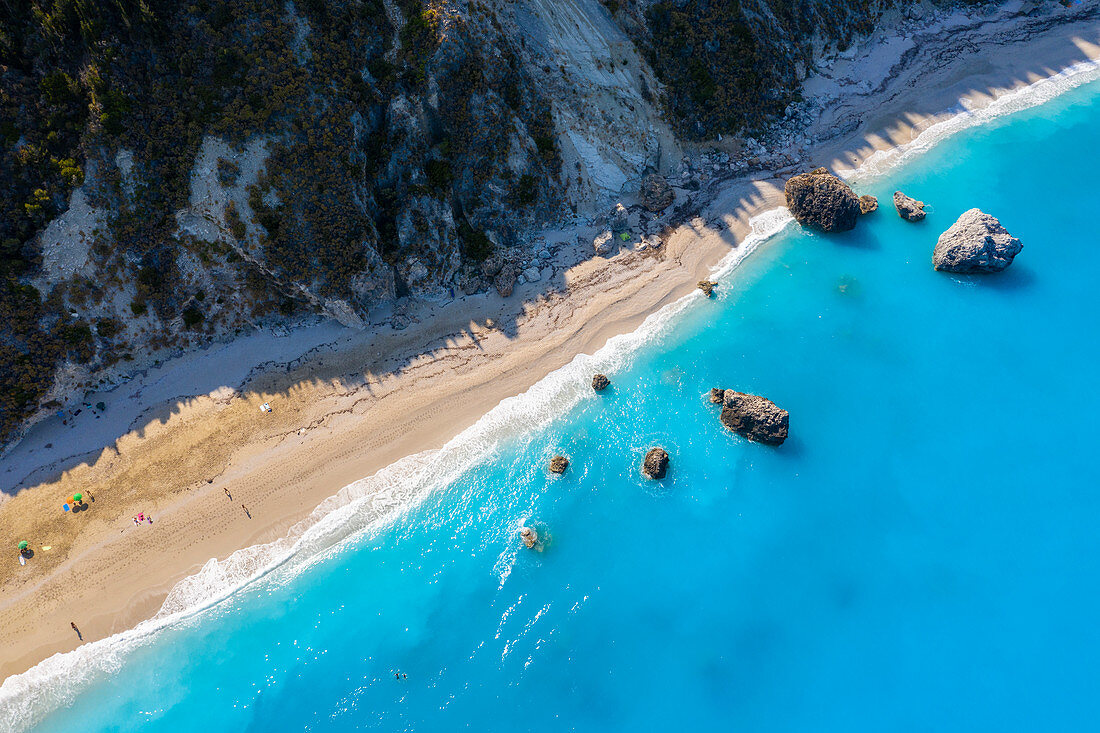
[(187, 444)]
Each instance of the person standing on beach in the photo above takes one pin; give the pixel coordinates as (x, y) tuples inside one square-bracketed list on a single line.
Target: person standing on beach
[(246, 511), (78, 634), (226, 490)]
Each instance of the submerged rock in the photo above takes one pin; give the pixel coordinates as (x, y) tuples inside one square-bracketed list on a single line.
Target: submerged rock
[(707, 286), (655, 193), (976, 242), (754, 417), (655, 464), (530, 538), (821, 200), (600, 382), (558, 464), (867, 204), (908, 208)]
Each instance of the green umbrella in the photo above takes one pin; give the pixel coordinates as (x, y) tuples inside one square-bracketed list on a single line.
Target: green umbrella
[(78, 497), (23, 545)]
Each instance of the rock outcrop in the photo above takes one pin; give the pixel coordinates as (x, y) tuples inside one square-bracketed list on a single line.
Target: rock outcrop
[(754, 417), (618, 219), (717, 395), (867, 204), (820, 200), (600, 382), (707, 286), (530, 538), (656, 194), (976, 242), (655, 465), (558, 464), (908, 207)]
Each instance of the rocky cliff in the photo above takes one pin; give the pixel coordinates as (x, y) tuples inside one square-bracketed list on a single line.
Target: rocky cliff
[(172, 173)]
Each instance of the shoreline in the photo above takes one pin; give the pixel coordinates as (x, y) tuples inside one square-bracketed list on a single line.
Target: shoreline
[(357, 427)]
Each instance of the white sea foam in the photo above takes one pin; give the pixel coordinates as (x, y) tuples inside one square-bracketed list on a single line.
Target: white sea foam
[(965, 116), (372, 502)]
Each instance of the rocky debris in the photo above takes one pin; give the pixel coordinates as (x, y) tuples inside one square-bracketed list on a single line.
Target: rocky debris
[(976, 242), (707, 286), (655, 194), (505, 281), (820, 200), (530, 538), (908, 207), (532, 274), (867, 204), (558, 464), (655, 465), (600, 382), (753, 417), (717, 395), (605, 243), (618, 219)]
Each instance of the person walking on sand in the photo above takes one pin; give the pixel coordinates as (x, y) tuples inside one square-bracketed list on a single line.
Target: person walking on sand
[(246, 511), (226, 490), (78, 634)]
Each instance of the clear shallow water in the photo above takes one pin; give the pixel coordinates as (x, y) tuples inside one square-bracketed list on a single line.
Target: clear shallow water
[(922, 554)]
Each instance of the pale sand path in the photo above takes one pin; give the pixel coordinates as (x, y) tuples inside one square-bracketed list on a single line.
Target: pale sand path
[(107, 575)]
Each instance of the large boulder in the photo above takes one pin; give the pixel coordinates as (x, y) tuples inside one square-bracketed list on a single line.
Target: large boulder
[(655, 193), (707, 286), (975, 243), (505, 280), (754, 417), (558, 464), (820, 200), (618, 219), (604, 243), (867, 204), (908, 207), (600, 382), (655, 465)]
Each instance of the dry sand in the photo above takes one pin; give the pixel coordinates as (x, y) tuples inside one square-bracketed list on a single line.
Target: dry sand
[(357, 403)]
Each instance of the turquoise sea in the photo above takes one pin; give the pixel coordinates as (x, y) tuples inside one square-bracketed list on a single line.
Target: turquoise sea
[(922, 554)]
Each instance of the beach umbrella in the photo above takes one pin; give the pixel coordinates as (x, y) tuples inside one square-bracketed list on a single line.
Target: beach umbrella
[(78, 497), (23, 545)]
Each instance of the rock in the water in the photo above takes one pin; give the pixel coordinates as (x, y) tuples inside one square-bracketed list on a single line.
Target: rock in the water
[(707, 286), (505, 280), (867, 204), (753, 417), (975, 243), (655, 464), (529, 536), (605, 243), (600, 382), (656, 194), (558, 464), (908, 208), (821, 200), (717, 395)]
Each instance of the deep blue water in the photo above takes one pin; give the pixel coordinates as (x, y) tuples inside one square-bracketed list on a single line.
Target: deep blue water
[(921, 555)]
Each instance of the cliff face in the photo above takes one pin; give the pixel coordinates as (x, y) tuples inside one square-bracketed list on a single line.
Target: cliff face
[(174, 172)]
